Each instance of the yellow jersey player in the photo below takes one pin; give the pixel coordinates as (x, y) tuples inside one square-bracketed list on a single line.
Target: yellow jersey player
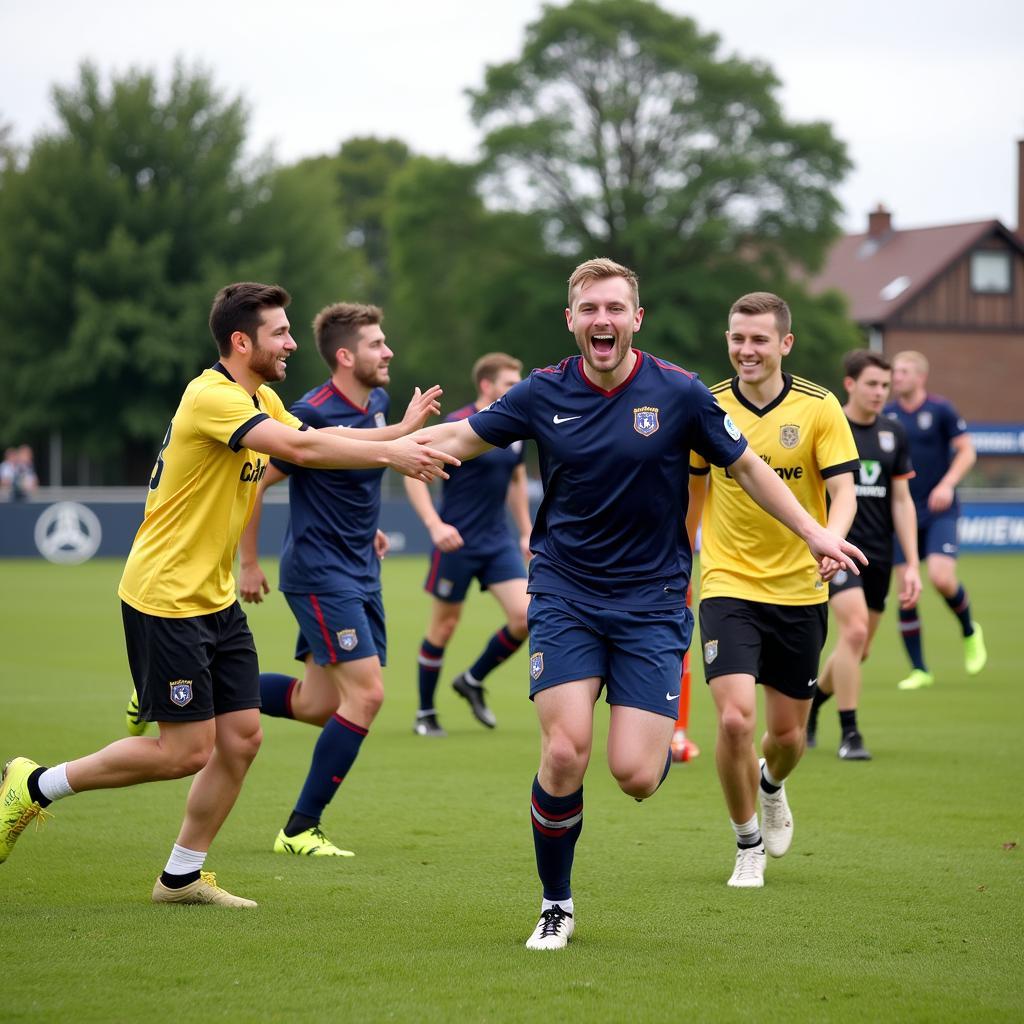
[(763, 598), (189, 647)]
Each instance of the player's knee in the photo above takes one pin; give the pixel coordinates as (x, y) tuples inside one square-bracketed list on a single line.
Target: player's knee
[(444, 629), (942, 578), (370, 699), (791, 738), (638, 782), (736, 724), (517, 625), (247, 745), (562, 757), (856, 634)]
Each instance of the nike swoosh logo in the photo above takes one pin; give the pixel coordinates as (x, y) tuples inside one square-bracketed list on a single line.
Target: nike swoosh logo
[(811, 682), (563, 419), (672, 696)]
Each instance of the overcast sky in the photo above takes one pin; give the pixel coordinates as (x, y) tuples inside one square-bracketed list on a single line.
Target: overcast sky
[(928, 97)]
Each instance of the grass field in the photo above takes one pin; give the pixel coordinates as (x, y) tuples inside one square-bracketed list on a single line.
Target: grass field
[(901, 898)]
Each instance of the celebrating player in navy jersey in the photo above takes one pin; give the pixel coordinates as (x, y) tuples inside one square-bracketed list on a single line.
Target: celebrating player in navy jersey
[(942, 454), (884, 509), (330, 570), (614, 427), (471, 540)]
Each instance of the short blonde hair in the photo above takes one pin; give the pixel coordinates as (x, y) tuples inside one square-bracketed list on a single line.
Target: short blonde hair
[(911, 356), (488, 366), (599, 269)]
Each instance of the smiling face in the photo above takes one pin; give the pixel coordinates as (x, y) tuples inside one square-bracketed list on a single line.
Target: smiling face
[(272, 345), (756, 348), (603, 319)]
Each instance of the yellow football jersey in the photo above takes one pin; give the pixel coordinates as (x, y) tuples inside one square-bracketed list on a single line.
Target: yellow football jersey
[(746, 553), (201, 494)]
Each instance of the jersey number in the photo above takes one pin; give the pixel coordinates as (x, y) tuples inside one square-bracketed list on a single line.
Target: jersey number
[(158, 469)]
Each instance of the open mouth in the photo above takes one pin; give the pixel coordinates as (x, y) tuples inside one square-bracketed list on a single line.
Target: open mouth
[(602, 344)]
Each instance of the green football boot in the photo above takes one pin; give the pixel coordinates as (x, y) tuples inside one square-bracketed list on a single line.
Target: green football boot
[(917, 680), (311, 843), (975, 654), (136, 726), (17, 808)]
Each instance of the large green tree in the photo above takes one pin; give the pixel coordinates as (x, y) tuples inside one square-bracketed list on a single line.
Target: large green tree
[(119, 225), (635, 137)]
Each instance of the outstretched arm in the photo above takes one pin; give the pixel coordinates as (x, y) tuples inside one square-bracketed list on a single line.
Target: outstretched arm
[(328, 449), (830, 550), (422, 406), (252, 583), (456, 438)]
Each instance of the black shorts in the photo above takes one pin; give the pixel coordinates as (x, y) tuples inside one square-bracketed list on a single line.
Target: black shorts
[(779, 645), (873, 580), (192, 669)]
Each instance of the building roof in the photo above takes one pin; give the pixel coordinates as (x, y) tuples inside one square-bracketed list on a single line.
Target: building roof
[(880, 273)]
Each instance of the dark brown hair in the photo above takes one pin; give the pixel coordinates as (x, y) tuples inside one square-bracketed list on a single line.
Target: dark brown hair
[(765, 302), (857, 361), (239, 307)]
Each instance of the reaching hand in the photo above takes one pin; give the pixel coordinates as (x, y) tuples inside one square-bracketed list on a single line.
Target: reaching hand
[(252, 584), (833, 553), (423, 405), (412, 457), (445, 537)]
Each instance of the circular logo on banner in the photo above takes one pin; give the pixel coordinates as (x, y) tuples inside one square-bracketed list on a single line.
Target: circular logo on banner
[(68, 533)]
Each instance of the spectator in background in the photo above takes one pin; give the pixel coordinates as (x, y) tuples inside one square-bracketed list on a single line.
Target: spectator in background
[(18, 479)]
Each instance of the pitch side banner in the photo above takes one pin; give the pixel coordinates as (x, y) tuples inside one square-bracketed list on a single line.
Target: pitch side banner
[(997, 438)]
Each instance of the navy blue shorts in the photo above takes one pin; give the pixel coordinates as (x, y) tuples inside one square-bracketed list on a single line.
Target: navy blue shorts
[(936, 537), (339, 627), (638, 655), (452, 572)]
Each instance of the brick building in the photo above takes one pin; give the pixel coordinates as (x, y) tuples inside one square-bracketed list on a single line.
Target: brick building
[(954, 292)]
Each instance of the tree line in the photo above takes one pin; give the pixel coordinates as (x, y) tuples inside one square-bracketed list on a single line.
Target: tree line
[(620, 129)]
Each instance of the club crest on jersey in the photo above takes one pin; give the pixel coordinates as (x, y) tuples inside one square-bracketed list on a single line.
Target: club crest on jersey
[(887, 440), (710, 651), (789, 435), (536, 664), (181, 692), (347, 639), (645, 420), (380, 419), (924, 419)]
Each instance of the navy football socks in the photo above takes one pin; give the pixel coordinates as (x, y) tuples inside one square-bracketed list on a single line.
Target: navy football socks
[(335, 751), (557, 824)]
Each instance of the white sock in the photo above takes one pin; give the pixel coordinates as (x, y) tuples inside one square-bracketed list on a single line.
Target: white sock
[(470, 679), (769, 778), (182, 861), (747, 831), (566, 905), (53, 783)]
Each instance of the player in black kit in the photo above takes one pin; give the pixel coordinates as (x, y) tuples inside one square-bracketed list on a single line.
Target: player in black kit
[(884, 507)]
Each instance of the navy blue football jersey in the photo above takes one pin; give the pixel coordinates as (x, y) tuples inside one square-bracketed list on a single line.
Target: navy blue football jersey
[(333, 513), (615, 469), (929, 428), (473, 496)]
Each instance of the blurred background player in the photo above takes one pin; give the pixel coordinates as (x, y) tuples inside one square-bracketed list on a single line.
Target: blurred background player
[(330, 569), (190, 650), (942, 454), (763, 611), (471, 540), (884, 509)]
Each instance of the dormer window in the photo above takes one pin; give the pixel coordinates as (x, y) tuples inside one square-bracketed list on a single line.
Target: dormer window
[(990, 272)]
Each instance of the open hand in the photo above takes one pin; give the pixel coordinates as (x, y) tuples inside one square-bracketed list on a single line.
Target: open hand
[(422, 406)]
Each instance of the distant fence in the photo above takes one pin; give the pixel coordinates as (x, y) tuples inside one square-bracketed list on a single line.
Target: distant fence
[(71, 525)]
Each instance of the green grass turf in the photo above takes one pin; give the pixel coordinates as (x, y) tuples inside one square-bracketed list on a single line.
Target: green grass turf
[(898, 901)]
